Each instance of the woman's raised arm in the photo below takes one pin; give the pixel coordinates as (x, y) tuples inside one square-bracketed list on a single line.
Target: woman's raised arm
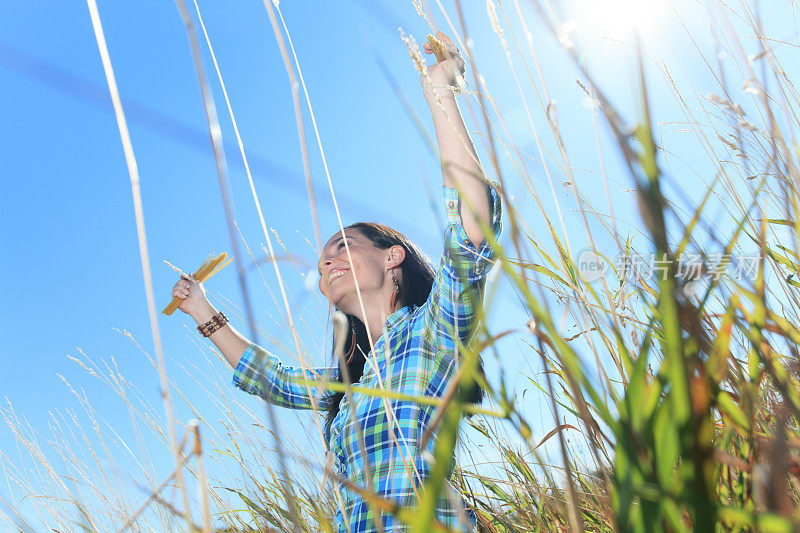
[(461, 168), (457, 292)]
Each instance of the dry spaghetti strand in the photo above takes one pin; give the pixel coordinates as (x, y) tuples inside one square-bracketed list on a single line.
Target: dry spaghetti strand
[(437, 47)]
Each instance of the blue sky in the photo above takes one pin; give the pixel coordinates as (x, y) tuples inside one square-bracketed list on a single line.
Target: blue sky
[(70, 273)]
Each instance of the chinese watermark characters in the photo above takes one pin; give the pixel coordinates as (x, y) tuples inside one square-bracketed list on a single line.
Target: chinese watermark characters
[(691, 268)]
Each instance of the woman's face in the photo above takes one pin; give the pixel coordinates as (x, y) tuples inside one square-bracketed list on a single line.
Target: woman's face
[(369, 263)]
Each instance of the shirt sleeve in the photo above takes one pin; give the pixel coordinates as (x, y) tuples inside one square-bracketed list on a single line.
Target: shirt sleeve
[(458, 287), (261, 373)]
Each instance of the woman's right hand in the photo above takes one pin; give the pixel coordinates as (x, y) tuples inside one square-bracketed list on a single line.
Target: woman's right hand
[(192, 293)]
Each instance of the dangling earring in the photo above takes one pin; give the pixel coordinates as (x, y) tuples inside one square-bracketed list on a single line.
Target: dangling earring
[(352, 351), (396, 290)]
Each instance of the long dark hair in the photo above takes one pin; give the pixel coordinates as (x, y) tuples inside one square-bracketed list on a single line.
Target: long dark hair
[(415, 287)]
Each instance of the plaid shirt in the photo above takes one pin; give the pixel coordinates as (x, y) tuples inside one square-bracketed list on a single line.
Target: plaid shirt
[(415, 355)]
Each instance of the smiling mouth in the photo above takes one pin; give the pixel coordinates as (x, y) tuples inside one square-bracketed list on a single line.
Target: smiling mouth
[(336, 275)]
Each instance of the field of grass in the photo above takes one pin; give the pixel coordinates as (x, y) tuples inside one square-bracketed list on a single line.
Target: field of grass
[(674, 396)]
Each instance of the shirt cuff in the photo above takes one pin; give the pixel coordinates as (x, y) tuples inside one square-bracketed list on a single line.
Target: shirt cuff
[(458, 246)]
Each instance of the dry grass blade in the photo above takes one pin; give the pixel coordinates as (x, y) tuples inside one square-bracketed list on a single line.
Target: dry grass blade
[(140, 229)]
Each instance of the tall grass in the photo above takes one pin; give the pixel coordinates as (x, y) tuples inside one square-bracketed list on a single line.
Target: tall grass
[(673, 400)]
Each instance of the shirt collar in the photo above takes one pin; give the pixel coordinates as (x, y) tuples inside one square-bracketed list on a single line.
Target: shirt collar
[(396, 317)]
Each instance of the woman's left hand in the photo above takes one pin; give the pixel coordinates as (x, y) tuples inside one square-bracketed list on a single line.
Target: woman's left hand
[(443, 73)]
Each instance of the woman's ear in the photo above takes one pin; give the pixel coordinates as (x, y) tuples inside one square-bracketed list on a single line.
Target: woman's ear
[(396, 255)]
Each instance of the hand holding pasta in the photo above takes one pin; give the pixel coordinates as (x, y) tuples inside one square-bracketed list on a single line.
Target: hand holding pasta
[(192, 293), (210, 266), (449, 64)]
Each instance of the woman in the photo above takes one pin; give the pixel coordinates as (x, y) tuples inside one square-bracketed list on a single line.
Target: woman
[(411, 313)]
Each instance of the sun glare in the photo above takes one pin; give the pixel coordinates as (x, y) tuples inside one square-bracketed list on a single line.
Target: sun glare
[(618, 19)]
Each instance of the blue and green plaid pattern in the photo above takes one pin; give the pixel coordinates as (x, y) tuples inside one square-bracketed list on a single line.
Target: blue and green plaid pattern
[(415, 356)]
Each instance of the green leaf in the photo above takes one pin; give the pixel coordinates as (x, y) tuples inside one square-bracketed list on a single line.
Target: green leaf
[(732, 410)]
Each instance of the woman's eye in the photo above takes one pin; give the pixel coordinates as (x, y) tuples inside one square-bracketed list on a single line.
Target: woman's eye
[(341, 245)]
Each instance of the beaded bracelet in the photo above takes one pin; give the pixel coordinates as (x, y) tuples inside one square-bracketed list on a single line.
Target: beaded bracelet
[(216, 322)]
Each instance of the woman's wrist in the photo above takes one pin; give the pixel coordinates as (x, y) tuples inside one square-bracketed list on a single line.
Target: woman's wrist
[(204, 312), (444, 93)]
